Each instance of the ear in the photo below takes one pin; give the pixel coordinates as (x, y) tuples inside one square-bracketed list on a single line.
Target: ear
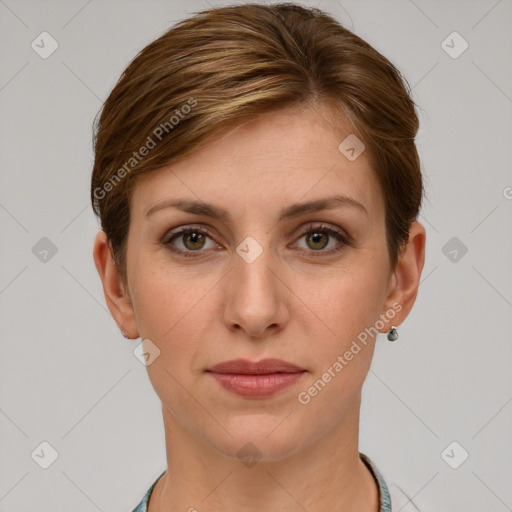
[(116, 292), (404, 282)]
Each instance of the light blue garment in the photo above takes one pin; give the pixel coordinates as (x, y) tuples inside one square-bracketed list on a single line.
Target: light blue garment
[(143, 505), (385, 500)]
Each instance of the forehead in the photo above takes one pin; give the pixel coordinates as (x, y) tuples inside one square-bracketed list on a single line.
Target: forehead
[(269, 160)]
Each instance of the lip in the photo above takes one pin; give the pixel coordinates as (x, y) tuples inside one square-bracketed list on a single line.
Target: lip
[(259, 379), (246, 367)]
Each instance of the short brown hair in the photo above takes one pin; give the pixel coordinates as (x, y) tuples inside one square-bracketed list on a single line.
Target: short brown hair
[(222, 65)]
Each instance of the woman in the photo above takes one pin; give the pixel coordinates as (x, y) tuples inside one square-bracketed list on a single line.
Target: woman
[(258, 187)]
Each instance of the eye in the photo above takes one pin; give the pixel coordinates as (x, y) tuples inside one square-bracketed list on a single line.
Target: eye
[(188, 241), (193, 239), (319, 237)]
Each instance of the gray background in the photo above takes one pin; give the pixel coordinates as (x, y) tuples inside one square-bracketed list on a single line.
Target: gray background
[(68, 377)]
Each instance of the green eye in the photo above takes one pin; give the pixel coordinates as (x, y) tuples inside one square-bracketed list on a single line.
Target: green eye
[(318, 237), (195, 240)]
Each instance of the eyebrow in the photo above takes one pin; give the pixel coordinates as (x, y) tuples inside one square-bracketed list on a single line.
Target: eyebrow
[(289, 212)]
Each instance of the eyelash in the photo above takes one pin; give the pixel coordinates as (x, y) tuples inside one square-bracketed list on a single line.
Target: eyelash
[(322, 228)]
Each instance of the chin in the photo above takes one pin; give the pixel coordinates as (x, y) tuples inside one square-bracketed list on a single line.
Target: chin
[(259, 439)]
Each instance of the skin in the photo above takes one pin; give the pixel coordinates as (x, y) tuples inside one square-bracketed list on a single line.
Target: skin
[(286, 304)]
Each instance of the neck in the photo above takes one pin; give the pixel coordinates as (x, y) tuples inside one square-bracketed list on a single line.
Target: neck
[(325, 475)]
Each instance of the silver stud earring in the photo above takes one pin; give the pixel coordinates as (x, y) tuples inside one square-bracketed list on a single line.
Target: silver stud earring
[(124, 334), (393, 334)]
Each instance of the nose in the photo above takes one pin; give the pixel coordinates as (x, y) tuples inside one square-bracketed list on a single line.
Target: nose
[(256, 297)]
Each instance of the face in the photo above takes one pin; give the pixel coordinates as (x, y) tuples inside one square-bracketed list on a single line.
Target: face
[(261, 280)]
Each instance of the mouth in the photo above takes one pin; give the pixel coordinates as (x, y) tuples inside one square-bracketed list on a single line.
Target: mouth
[(260, 379)]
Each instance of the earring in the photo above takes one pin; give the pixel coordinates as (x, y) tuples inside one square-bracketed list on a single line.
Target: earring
[(125, 335), (393, 334)]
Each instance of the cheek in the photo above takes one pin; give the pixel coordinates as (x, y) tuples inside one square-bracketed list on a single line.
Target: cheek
[(170, 307), (168, 313), (344, 343), (349, 302), (162, 296), (343, 352)]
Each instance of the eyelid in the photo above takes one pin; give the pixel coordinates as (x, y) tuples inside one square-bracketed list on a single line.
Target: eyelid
[(186, 229), (323, 226)]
